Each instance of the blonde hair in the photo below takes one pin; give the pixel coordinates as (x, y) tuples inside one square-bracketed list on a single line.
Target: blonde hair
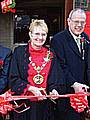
[(38, 23)]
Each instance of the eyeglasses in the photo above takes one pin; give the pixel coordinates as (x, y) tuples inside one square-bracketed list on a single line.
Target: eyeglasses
[(39, 34), (76, 22)]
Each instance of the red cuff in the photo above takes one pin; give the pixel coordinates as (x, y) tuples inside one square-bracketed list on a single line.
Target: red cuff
[(26, 92)]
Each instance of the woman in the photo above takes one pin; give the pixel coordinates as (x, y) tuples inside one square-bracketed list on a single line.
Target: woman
[(33, 71)]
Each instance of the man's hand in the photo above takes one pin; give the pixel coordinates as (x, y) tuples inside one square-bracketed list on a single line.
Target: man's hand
[(78, 87), (79, 103)]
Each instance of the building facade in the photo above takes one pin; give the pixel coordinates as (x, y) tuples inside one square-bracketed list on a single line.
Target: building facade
[(14, 26)]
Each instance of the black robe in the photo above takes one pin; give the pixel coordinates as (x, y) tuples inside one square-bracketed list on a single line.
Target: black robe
[(41, 110)]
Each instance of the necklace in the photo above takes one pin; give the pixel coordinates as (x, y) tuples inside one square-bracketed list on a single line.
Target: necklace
[(38, 78)]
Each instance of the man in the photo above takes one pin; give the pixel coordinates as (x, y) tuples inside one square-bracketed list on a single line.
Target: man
[(71, 47), (5, 55)]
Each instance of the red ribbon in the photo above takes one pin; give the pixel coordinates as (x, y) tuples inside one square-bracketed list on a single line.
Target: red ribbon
[(79, 103), (5, 99), (6, 9)]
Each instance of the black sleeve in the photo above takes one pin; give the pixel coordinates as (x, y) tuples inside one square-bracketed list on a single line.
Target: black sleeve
[(88, 70), (58, 46), (16, 82), (4, 71), (56, 78)]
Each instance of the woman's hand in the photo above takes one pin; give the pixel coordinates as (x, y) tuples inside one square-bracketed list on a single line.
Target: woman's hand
[(54, 94), (36, 91)]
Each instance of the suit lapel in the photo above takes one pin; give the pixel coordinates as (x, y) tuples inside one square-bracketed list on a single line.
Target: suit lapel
[(73, 44)]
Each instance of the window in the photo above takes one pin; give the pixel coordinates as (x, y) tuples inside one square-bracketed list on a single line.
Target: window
[(21, 28)]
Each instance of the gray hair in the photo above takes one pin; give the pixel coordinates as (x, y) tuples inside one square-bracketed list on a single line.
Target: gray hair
[(77, 10)]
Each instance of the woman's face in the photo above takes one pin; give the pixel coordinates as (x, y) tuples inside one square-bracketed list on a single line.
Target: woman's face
[(38, 37)]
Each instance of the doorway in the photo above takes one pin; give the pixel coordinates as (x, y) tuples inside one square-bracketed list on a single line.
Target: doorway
[(53, 16)]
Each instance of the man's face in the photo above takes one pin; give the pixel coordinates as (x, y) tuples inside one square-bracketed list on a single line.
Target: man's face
[(77, 23)]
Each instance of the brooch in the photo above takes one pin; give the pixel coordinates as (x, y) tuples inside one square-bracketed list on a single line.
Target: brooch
[(1, 64)]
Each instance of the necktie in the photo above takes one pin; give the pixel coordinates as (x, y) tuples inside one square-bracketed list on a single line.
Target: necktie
[(78, 43)]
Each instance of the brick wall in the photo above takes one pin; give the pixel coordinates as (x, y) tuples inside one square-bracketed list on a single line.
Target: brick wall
[(6, 29)]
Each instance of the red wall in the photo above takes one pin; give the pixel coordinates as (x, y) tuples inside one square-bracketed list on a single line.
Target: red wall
[(87, 27)]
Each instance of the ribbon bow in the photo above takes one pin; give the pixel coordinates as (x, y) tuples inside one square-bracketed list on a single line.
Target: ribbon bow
[(8, 6), (79, 103)]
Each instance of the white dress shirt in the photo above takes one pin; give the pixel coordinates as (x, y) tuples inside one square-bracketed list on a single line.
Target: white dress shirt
[(77, 40)]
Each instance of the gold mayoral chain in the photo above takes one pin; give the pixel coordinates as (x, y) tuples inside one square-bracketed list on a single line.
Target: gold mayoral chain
[(38, 78)]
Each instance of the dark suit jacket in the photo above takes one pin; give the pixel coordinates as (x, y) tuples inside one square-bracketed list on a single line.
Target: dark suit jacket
[(5, 56), (70, 58), (88, 70), (19, 68)]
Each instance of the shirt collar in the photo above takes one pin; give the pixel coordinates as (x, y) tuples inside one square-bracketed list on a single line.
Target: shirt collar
[(33, 50), (74, 36)]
